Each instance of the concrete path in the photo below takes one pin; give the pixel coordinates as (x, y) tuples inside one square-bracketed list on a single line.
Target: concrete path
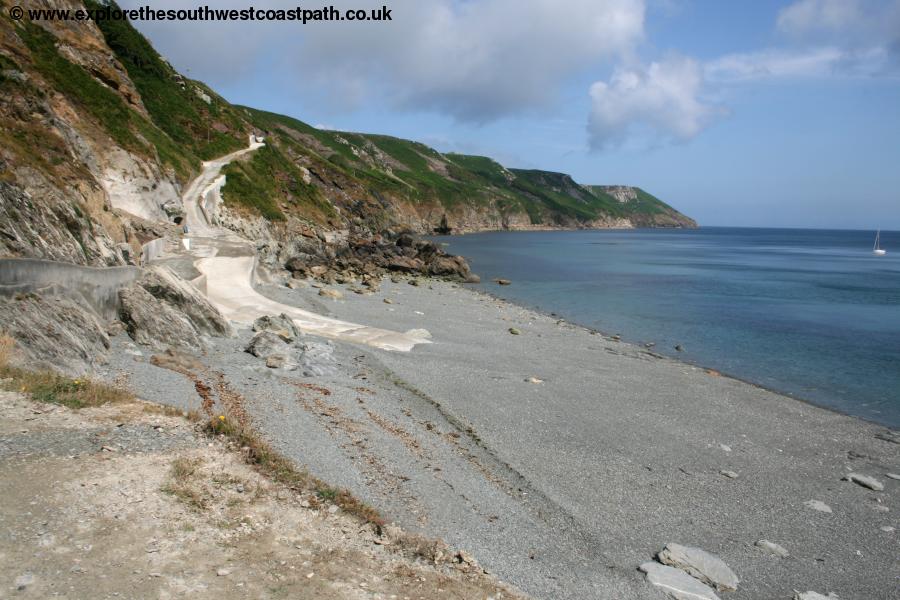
[(229, 279)]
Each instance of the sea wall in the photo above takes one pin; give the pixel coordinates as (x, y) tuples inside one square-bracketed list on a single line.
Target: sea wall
[(97, 287)]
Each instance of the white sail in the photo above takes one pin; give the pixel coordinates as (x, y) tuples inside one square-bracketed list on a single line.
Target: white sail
[(876, 249)]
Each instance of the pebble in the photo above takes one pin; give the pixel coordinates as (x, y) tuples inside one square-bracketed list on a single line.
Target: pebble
[(223, 572), (887, 529), (23, 581), (514, 331), (729, 474), (864, 480), (725, 447), (698, 563), (813, 596), (892, 476), (772, 548), (329, 293), (388, 301), (534, 380), (818, 505), (677, 583)]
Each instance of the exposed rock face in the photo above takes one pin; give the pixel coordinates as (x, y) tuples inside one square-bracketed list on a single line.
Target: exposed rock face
[(370, 257), (160, 310), (163, 284), (55, 333), (152, 322), (700, 564)]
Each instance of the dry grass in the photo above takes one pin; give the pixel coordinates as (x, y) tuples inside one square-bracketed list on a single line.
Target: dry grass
[(281, 470), (7, 345), (47, 386), (182, 476)]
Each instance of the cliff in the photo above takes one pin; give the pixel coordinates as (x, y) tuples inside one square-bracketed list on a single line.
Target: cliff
[(98, 135)]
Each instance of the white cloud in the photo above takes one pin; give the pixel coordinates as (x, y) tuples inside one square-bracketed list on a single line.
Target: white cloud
[(663, 100), (475, 60), (809, 63), (812, 16)]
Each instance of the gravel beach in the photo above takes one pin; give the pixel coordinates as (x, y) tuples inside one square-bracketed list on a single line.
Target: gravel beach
[(560, 458)]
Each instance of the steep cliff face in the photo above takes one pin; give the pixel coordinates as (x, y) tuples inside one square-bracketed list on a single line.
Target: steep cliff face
[(99, 134)]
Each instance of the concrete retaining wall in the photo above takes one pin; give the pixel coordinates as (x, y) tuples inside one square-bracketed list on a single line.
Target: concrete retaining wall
[(96, 287), (152, 250)]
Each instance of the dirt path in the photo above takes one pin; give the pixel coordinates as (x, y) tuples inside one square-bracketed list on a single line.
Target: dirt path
[(229, 279), (124, 501)]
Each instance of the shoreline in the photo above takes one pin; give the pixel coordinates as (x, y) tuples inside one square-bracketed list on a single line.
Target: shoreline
[(651, 420), (637, 345), (562, 486)]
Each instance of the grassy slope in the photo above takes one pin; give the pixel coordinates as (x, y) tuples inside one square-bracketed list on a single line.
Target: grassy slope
[(183, 129)]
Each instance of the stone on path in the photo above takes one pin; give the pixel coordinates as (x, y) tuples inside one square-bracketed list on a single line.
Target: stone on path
[(282, 325), (265, 344), (700, 564), (892, 476), (864, 480), (818, 505), (276, 361), (887, 529), (419, 333), (772, 548), (534, 380), (813, 596), (514, 331), (677, 583), (330, 293), (729, 474)]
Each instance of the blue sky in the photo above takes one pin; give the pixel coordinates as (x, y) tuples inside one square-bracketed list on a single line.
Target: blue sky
[(766, 113)]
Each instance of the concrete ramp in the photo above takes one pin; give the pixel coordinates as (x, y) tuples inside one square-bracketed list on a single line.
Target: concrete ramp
[(229, 287)]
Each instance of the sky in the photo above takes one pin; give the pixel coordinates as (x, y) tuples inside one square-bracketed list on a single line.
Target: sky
[(757, 113)]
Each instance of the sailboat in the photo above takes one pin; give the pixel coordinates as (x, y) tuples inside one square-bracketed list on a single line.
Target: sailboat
[(877, 249)]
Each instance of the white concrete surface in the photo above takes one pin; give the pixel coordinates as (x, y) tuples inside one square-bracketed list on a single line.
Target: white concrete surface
[(229, 280)]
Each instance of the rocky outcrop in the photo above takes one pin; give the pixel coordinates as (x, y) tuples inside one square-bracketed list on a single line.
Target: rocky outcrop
[(152, 322), (281, 325), (369, 258), (165, 285), (162, 310), (53, 332)]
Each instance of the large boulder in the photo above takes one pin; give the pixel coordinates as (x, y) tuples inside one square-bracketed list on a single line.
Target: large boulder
[(265, 344), (281, 325), (444, 265), (164, 284), (152, 322), (160, 310), (405, 264)]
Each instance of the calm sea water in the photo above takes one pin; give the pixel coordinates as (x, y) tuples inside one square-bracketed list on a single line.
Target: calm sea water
[(811, 313)]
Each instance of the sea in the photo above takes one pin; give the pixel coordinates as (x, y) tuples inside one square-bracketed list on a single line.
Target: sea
[(813, 314)]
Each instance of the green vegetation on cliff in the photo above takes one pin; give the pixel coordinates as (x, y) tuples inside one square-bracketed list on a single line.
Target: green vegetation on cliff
[(325, 176)]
